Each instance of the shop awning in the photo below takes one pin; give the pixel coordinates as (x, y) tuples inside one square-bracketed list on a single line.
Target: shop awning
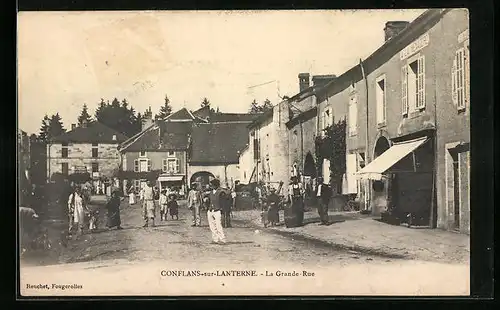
[(375, 169), (171, 178)]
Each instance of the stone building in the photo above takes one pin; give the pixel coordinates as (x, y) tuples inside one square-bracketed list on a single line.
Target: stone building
[(89, 148), (408, 120)]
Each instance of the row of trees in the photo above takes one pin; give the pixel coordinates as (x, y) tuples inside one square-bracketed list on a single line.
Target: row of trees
[(122, 117)]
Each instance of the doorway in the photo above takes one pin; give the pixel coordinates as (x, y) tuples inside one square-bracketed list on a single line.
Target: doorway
[(456, 191)]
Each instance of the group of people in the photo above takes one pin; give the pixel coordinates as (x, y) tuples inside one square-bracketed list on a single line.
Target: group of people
[(82, 215)]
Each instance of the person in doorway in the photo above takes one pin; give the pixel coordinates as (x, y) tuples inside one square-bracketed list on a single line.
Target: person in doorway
[(76, 211), (273, 201), (113, 207), (214, 213), (323, 195), (296, 198), (149, 204), (173, 206), (163, 205), (194, 204)]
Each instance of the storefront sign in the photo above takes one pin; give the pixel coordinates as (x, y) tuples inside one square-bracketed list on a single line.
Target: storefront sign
[(463, 36), (414, 47)]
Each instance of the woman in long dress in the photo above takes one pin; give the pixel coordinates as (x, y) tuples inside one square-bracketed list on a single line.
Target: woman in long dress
[(296, 198), (113, 207), (131, 197), (76, 210)]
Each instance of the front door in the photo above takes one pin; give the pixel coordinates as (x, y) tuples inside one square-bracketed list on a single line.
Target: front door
[(456, 192)]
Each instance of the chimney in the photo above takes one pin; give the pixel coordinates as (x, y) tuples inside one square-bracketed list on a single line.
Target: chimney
[(392, 28), (73, 126), (147, 121), (303, 81), (320, 80)]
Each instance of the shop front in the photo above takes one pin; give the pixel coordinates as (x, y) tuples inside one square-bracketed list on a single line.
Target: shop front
[(402, 181), (173, 184)]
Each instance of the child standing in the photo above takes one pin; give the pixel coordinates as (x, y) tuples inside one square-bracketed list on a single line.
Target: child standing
[(163, 205), (173, 207)]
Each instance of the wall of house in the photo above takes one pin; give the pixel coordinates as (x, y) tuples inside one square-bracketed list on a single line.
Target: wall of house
[(156, 158), (245, 165), (440, 112), (453, 125), (81, 155), (229, 173)]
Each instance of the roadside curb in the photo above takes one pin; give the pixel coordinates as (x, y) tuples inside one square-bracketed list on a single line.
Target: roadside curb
[(339, 246)]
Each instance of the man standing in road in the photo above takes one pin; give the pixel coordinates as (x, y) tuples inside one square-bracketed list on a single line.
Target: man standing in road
[(323, 195), (194, 204), (149, 204), (214, 213)]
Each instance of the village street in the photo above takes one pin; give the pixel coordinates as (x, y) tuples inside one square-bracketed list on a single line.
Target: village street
[(135, 258)]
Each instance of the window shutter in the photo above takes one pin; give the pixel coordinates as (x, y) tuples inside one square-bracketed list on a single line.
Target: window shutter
[(177, 166), (467, 73), (421, 83), (136, 165), (149, 165), (404, 90), (164, 165), (454, 78), (460, 79)]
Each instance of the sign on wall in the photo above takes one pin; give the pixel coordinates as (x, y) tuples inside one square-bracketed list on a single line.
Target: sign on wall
[(414, 47)]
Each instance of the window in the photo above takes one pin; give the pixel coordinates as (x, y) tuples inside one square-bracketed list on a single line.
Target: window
[(460, 78), (95, 150), (353, 115), (413, 85), (114, 137), (64, 150), (171, 154), (327, 118), (171, 165), (142, 154), (64, 168), (137, 186), (136, 165), (95, 167), (380, 99), (142, 165)]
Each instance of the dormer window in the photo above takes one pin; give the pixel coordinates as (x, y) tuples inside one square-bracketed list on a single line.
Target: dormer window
[(142, 154), (114, 138), (171, 154)]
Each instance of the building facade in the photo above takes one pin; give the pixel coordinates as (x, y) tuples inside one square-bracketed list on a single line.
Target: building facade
[(90, 148), (408, 120), (160, 147)]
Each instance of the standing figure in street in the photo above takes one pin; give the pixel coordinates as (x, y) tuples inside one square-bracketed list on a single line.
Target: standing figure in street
[(163, 205), (226, 204), (149, 204), (206, 199), (113, 207), (234, 194), (194, 204), (273, 201), (76, 211), (323, 195), (173, 206), (295, 216), (214, 213), (131, 196)]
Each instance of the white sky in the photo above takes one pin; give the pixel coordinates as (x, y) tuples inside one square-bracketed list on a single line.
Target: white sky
[(66, 59)]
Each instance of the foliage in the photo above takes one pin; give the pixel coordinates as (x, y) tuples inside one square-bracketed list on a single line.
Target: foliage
[(165, 110), (332, 146), (205, 102), (256, 108), (51, 127), (119, 117), (44, 130), (79, 177), (84, 116)]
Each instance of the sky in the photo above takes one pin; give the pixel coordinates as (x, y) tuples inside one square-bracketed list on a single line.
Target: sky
[(67, 59)]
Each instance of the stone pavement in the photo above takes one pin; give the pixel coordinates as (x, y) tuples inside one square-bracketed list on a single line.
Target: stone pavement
[(362, 233)]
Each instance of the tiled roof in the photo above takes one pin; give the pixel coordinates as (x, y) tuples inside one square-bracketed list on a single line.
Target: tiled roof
[(166, 136), (205, 113), (94, 132), (218, 143), (182, 114)]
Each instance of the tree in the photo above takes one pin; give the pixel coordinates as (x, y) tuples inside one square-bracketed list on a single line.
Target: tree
[(256, 108), (118, 116), (56, 127), (84, 116), (205, 102), (165, 110), (44, 130)]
